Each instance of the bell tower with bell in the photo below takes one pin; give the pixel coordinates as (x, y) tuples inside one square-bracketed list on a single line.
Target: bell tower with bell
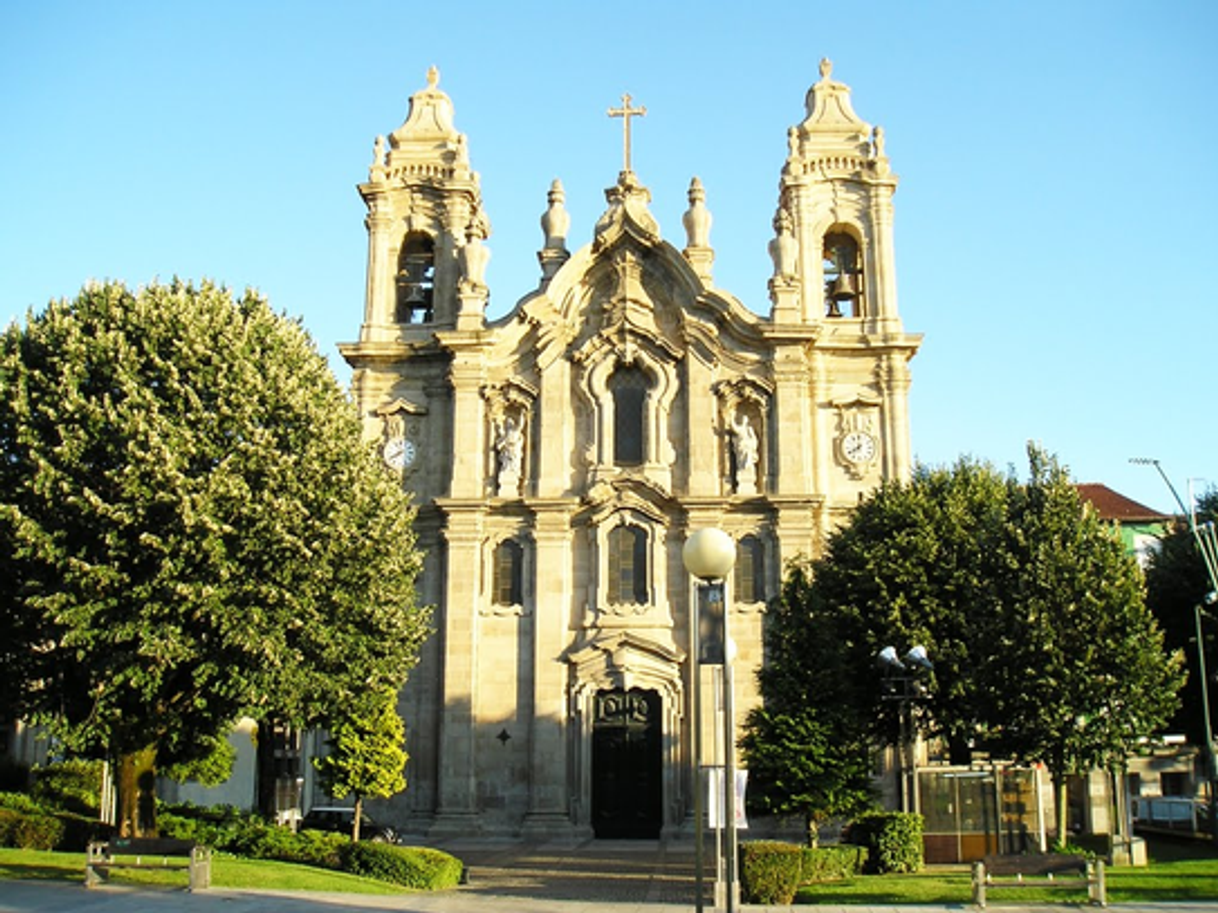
[(836, 200), (426, 260)]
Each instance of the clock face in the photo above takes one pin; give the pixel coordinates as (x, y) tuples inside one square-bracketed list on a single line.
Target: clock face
[(858, 447), (398, 453)]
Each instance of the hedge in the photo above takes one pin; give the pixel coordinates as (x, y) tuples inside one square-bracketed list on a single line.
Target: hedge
[(893, 841), (832, 863), (29, 830), (411, 866), (770, 872)]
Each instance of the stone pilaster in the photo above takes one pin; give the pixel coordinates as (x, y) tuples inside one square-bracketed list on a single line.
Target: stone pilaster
[(457, 810), (549, 815)]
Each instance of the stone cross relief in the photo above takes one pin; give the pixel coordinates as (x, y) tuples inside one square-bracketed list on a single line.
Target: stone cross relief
[(625, 112)]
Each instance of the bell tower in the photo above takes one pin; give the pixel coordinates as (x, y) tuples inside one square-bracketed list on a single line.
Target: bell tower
[(426, 261), (833, 251)]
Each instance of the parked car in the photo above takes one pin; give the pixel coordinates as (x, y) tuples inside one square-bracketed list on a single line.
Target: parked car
[(339, 819)]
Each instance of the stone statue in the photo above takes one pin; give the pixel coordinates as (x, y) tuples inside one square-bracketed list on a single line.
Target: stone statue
[(474, 255), (509, 444), (877, 142), (784, 249), (744, 441), (378, 153)]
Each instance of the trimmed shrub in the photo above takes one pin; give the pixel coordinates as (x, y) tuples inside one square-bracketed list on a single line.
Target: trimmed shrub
[(893, 841), (411, 866), (29, 831), (770, 872), (832, 863), (20, 802), (73, 785)]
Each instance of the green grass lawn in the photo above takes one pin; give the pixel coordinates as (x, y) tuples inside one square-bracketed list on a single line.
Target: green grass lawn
[(226, 872), (1177, 872)]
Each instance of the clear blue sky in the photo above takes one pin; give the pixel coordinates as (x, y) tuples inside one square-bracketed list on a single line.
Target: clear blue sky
[(1055, 223)]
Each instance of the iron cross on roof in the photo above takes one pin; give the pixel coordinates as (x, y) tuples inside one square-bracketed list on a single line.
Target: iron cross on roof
[(625, 112)]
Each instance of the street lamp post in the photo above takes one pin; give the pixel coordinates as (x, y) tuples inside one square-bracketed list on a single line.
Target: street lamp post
[(1211, 761), (903, 685), (709, 555)]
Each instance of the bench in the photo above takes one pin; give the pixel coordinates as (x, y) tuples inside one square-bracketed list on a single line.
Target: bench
[(148, 853), (1043, 870)]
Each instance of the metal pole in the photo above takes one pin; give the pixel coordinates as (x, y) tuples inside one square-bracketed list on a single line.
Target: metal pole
[(1211, 764), (729, 768), (696, 675)]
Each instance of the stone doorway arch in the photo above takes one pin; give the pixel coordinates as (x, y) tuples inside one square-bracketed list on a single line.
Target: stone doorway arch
[(628, 702)]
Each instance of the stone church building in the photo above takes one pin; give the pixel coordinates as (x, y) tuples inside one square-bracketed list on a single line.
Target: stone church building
[(561, 455)]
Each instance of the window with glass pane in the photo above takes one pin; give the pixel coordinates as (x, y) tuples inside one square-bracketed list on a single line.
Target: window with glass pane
[(750, 570), (509, 573), (627, 565), (629, 386)]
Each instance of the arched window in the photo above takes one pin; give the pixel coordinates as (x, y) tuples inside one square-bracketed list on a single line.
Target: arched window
[(627, 565), (749, 582), (629, 386), (415, 279), (508, 578), (843, 275)]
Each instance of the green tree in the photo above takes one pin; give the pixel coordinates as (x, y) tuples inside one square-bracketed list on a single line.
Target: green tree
[(366, 756), (806, 753), (1085, 675), (1042, 645), (194, 530), (1176, 582)]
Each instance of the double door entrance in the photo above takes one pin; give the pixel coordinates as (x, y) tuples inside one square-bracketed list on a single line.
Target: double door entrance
[(627, 782)]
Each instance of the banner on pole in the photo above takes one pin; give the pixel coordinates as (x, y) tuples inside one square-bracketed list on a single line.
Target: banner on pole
[(714, 797)]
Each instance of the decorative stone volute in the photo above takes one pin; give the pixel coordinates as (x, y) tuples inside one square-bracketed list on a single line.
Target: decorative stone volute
[(627, 212)]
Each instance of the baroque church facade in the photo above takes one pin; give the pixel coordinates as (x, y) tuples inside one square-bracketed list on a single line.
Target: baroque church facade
[(560, 456)]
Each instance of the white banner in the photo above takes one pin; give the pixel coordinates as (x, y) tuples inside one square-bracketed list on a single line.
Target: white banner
[(714, 797)]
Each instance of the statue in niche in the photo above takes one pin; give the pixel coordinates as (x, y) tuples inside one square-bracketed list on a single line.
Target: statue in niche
[(744, 443), (509, 447)]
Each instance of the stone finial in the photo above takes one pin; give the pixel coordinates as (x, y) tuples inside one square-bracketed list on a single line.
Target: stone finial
[(433, 76), (826, 68), (556, 221), (697, 218)]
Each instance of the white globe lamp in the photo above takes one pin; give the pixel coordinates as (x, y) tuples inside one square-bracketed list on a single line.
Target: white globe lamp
[(709, 554)]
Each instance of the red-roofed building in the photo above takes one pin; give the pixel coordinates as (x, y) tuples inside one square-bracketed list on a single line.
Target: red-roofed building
[(1141, 527)]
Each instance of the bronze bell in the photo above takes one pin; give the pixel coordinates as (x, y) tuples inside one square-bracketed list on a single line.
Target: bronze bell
[(844, 288)]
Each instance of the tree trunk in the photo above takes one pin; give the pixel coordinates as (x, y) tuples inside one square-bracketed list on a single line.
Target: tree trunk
[(137, 793), (359, 808), (1061, 808)]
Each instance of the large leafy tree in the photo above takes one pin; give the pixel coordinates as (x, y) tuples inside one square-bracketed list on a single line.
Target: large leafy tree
[(192, 527), (366, 756), (806, 750), (1084, 675), (1042, 645)]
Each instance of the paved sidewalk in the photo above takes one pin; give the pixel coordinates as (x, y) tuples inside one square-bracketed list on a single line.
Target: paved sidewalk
[(591, 877)]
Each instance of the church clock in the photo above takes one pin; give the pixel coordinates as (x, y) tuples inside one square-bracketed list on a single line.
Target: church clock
[(399, 453)]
